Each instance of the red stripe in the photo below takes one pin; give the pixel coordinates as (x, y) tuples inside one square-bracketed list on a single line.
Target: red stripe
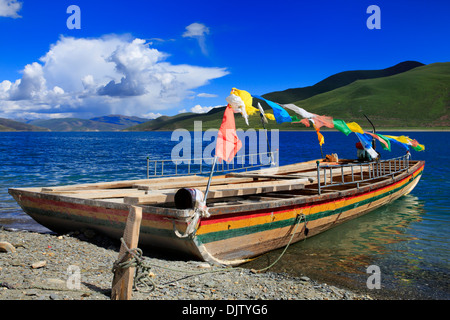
[(89, 209), (265, 212)]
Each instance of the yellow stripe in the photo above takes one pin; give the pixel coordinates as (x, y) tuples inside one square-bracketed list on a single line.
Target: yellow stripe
[(309, 210)]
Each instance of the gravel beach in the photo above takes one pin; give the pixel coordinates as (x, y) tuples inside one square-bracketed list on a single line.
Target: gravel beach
[(78, 266)]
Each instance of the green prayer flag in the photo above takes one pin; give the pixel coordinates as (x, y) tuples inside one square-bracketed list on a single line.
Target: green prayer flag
[(341, 126), (387, 141)]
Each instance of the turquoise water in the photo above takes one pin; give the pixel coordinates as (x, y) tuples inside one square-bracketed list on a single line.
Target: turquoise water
[(408, 239)]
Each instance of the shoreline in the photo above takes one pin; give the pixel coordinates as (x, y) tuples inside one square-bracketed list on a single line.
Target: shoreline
[(78, 266)]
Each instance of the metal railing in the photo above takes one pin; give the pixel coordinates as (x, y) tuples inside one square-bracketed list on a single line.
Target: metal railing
[(199, 166), (357, 173)]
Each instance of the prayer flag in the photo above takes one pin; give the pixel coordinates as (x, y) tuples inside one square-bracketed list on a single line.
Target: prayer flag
[(302, 112), (342, 126), (383, 140), (280, 114), (366, 141), (406, 142), (319, 136), (319, 121), (354, 127), (228, 143), (295, 119), (247, 99)]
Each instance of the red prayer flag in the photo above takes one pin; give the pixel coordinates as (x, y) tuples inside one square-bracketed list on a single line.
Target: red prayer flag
[(228, 143), (323, 121), (305, 122)]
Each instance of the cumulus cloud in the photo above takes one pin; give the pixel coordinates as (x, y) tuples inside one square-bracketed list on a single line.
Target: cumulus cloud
[(199, 109), (97, 76), (31, 84), (10, 8), (198, 31)]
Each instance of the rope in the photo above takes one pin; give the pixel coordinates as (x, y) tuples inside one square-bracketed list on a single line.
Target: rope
[(144, 283), (142, 280), (302, 217)]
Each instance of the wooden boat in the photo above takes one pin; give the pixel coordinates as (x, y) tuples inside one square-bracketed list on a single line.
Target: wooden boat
[(249, 213)]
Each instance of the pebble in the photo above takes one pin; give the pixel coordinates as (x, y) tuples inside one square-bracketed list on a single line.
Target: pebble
[(39, 264), (77, 266), (6, 247)]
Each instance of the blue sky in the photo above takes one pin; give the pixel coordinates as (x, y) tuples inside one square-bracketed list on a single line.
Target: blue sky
[(148, 58)]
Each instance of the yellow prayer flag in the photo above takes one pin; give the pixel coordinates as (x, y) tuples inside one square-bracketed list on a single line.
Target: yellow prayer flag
[(320, 138), (354, 127), (247, 99), (319, 135)]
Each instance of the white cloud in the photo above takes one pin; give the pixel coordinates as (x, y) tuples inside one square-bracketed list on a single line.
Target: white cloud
[(198, 31), (207, 95), (31, 85), (107, 75), (199, 109), (152, 115), (195, 30), (10, 8)]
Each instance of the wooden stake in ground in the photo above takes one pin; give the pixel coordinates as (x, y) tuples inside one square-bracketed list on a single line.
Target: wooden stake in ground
[(122, 284)]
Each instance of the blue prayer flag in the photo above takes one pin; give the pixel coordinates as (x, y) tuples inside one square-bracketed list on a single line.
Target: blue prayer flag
[(280, 114)]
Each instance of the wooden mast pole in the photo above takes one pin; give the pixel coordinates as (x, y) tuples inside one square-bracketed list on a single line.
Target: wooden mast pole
[(122, 284)]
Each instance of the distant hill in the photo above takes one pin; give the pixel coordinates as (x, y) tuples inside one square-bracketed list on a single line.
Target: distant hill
[(11, 125), (123, 121), (211, 119), (337, 81), (74, 124), (105, 123), (416, 98)]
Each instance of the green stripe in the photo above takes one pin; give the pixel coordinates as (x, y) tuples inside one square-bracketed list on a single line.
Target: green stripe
[(226, 234)]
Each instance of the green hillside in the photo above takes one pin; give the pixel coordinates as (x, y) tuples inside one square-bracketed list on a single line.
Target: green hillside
[(417, 98), (11, 125), (338, 80), (164, 122)]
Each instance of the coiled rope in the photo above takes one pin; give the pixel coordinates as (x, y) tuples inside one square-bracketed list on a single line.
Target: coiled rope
[(144, 283)]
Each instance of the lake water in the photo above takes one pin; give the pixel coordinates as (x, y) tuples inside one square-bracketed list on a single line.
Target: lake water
[(408, 239)]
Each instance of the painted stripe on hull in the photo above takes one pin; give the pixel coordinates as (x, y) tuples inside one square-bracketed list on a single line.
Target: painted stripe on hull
[(62, 215), (257, 243), (213, 230)]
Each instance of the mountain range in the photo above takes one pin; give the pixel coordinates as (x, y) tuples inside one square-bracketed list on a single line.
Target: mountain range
[(409, 95), (104, 123)]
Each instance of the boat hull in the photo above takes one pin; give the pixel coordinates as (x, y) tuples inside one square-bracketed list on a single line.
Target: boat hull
[(247, 234), (231, 234)]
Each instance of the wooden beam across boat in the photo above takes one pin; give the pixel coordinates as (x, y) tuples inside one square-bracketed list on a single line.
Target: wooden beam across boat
[(99, 193), (160, 196), (117, 184), (262, 176), (190, 183)]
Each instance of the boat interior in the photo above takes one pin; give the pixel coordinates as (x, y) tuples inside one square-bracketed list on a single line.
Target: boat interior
[(306, 179)]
